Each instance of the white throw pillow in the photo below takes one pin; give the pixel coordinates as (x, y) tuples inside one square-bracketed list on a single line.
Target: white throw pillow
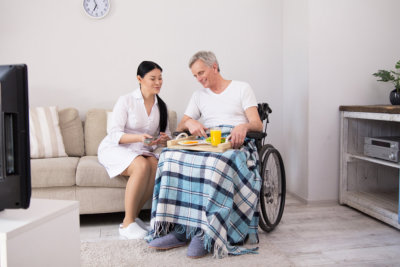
[(45, 134), (109, 121)]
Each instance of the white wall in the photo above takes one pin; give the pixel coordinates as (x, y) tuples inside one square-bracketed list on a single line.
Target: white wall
[(349, 40), (335, 47), (304, 57), (77, 61), (295, 88)]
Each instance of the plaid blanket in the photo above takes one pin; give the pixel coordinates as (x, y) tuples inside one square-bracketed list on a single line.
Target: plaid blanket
[(214, 192)]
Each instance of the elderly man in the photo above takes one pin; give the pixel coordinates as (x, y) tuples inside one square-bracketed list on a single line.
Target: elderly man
[(210, 198), (220, 102)]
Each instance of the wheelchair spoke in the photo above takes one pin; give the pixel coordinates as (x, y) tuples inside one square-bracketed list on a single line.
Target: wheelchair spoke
[(272, 191)]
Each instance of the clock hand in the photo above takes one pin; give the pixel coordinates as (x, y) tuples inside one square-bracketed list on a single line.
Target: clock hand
[(95, 6)]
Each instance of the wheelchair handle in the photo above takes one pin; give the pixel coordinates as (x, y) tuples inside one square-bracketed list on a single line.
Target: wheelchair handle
[(264, 110)]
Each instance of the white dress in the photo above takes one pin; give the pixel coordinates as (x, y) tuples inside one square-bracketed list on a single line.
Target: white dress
[(129, 116)]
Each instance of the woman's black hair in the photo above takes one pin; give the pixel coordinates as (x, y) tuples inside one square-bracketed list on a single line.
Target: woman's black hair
[(143, 69)]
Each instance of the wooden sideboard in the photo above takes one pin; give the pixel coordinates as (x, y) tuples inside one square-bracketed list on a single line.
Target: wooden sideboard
[(369, 184)]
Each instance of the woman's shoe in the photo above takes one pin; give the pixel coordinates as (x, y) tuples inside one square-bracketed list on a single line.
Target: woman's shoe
[(196, 248), (133, 231)]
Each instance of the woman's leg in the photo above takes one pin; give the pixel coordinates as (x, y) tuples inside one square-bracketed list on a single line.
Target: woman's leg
[(148, 192), (138, 172)]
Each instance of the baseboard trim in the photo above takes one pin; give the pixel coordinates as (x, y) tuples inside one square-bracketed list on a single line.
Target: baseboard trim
[(312, 202)]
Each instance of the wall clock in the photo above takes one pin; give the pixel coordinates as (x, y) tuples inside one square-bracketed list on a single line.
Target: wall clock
[(96, 8)]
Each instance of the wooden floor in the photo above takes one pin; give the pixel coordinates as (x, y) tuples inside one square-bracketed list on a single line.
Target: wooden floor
[(308, 235)]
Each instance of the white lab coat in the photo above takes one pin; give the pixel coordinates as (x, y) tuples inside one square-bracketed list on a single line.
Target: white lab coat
[(129, 116)]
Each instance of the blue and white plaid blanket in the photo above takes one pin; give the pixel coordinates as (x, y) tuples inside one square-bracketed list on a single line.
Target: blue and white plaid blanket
[(214, 192)]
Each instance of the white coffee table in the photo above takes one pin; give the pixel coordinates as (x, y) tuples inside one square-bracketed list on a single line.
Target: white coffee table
[(45, 234)]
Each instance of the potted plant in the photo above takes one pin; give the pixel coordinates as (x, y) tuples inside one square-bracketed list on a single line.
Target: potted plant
[(393, 77)]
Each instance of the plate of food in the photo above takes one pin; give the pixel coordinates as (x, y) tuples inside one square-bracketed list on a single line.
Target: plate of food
[(208, 140), (193, 142)]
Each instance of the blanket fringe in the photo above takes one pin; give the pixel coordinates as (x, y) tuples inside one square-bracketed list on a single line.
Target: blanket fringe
[(163, 228), (189, 230), (160, 229), (253, 238)]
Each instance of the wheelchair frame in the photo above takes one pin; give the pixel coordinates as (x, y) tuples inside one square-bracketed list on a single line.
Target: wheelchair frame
[(272, 171)]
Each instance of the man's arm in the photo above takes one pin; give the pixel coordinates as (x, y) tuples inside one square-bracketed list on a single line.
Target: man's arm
[(255, 123), (194, 127), (239, 132)]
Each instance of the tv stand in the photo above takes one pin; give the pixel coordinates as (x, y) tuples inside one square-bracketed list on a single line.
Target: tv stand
[(369, 184), (45, 234)]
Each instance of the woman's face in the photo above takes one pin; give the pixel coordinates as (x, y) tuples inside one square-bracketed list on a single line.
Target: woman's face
[(151, 82)]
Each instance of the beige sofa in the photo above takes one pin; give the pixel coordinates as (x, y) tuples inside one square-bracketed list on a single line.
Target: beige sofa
[(80, 176)]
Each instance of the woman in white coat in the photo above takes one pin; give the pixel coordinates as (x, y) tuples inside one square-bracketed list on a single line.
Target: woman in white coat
[(128, 150)]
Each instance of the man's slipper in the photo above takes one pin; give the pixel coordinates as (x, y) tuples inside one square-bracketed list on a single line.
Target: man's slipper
[(166, 242)]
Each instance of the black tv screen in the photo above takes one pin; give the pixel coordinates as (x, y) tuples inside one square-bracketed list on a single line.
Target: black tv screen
[(15, 167)]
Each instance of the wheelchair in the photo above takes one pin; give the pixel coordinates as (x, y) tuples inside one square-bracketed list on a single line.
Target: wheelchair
[(272, 171)]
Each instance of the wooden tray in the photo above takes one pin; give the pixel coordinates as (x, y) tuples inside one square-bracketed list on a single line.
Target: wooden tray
[(208, 148)]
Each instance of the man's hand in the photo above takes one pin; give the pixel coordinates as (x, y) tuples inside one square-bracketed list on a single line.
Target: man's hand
[(238, 135), (196, 128), (162, 139)]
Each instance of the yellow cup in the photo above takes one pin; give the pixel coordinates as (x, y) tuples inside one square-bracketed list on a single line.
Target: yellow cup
[(215, 134)]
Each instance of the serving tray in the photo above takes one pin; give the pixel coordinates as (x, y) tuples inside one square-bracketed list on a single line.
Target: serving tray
[(173, 144)]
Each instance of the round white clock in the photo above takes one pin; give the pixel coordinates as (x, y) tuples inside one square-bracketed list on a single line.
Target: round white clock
[(96, 8)]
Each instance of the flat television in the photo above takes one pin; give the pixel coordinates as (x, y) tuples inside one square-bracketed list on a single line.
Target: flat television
[(15, 166)]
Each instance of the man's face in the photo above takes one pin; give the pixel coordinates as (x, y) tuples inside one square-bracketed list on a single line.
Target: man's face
[(203, 73)]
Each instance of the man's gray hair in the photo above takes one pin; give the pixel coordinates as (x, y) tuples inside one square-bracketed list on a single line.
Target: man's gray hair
[(207, 57)]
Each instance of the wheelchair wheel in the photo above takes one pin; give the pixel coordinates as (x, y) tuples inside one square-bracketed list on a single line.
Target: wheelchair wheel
[(273, 189), (263, 151)]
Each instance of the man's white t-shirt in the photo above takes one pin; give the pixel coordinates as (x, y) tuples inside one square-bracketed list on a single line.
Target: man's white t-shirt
[(226, 108)]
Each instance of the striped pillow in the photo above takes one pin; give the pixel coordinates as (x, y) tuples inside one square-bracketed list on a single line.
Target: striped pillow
[(45, 134)]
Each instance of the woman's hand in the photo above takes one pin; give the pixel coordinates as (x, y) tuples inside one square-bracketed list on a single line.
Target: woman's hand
[(143, 137), (161, 140)]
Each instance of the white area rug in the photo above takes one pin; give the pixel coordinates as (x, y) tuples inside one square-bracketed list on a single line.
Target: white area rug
[(137, 253)]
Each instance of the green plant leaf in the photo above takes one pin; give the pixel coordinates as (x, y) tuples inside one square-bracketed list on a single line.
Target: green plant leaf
[(385, 76), (393, 72), (398, 65)]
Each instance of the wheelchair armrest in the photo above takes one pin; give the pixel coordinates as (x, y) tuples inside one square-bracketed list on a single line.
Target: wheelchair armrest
[(256, 135)]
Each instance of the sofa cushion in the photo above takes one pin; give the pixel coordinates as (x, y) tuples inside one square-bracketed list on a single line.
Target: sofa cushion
[(172, 120), (44, 133), (72, 132), (53, 172), (100, 199), (95, 130), (58, 192), (91, 173)]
